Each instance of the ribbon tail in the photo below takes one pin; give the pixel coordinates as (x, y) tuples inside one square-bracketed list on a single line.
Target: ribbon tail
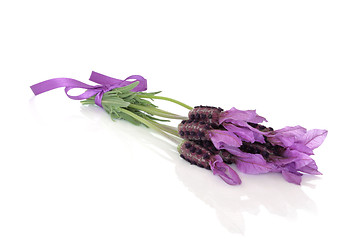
[(57, 83)]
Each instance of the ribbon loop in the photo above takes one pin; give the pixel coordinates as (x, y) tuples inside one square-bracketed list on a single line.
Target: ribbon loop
[(106, 84)]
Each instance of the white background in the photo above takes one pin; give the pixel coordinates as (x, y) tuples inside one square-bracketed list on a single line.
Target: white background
[(70, 172)]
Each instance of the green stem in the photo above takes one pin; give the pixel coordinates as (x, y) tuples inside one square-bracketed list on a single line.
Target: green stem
[(167, 99), (150, 125), (157, 112), (166, 128)]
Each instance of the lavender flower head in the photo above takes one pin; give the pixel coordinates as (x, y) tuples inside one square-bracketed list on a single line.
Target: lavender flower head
[(205, 158), (238, 137)]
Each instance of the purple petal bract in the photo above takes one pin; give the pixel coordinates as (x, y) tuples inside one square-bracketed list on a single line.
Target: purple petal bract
[(224, 171), (292, 177), (243, 133), (240, 117), (221, 138), (252, 163), (314, 138)]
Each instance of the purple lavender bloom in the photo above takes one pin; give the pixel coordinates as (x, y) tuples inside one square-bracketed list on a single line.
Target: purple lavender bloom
[(242, 123), (241, 118), (287, 151), (250, 163), (238, 137), (297, 138), (203, 157), (221, 138), (223, 127), (224, 171), (259, 149), (298, 144)]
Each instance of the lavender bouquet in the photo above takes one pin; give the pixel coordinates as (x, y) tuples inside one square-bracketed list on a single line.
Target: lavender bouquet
[(208, 137)]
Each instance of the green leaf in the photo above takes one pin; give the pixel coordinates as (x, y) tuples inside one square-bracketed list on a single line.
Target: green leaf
[(125, 95), (148, 95), (113, 101), (129, 98), (129, 118), (143, 102), (157, 119), (126, 88)]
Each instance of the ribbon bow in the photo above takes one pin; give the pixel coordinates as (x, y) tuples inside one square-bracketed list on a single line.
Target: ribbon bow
[(106, 84)]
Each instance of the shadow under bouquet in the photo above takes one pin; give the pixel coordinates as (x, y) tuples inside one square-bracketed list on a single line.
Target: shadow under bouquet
[(208, 137)]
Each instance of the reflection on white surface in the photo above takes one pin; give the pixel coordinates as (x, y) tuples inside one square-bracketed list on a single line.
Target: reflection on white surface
[(231, 203), (267, 191)]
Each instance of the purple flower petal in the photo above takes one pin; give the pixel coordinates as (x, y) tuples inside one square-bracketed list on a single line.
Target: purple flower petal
[(314, 138), (299, 159), (243, 133), (259, 137), (291, 177), (224, 171), (283, 161), (252, 163), (234, 150), (311, 168), (286, 141), (301, 148), (240, 117), (222, 138), (287, 136), (292, 131)]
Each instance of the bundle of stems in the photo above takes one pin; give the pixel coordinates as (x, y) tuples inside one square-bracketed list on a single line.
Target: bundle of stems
[(122, 103)]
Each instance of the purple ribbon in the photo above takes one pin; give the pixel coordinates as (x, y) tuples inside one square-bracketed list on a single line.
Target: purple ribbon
[(106, 84)]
